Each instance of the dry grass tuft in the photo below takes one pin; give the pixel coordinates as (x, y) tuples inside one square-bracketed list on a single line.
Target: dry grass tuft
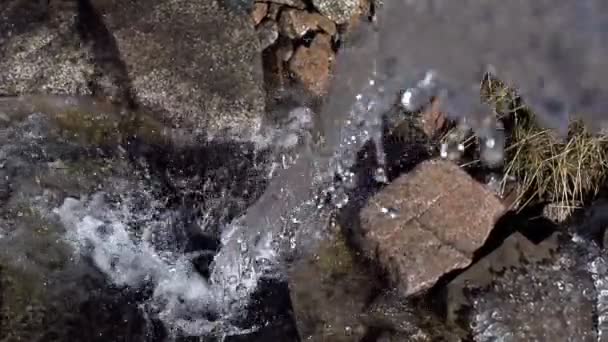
[(547, 169), (563, 173)]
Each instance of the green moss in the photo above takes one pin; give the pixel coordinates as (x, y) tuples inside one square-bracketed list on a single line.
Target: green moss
[(335, 257), (22, 303), (90, 128), (35, 251), (100, 129)]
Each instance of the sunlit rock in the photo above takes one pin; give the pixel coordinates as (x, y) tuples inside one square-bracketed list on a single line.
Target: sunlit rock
[(444, 216)]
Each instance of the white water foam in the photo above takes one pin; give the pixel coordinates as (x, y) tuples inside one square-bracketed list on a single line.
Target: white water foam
[(181, 297)]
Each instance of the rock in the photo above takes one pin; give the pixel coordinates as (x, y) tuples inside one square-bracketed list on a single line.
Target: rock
[(404, 318), (427, 223), (41, 51), (557, 212), (210, 82), (242, 6), (329, 291), (273, 11), (510, 253), (296, 23), (268, 32), (260, 9), (358, 16), (338, 11), (532, 292), (312, 65), (285, 50), (299, 4), (432, 119)]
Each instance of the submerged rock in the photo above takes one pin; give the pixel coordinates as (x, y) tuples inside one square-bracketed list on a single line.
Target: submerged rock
[(427, 223), (329, 291), (404, 320), (540, 293)]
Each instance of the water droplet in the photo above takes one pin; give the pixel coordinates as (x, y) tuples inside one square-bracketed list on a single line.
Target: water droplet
[(275, 245), (241, 291), (380, 175), (497, 315), (262, 264), (490, 143), (247, 273), (348, 330), (232, 280), (391, 212)]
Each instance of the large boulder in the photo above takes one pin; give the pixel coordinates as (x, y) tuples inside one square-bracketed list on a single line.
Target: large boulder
[(428, 223), (194, 64)]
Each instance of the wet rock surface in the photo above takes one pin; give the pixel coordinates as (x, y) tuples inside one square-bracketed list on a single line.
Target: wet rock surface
[(329, 292), (408, 320), (524, 291), (428, 223)]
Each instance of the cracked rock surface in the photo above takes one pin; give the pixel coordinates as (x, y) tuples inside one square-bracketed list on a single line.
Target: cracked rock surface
[(427, 223)]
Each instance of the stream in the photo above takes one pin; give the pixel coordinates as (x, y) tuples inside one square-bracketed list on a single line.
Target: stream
[(113, 230)]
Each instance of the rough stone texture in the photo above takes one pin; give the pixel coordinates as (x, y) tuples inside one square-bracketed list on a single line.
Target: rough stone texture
[(432, 119), (509, 254), (260, 9), (329, 291), (427, 223), (295, 23), (312, 65), (210, 83), (268, 32), (408, 321), (209, 79), (40, 50), (528, 292), (359, 16), (300, 4), (339, 11), (285, 50), (273, 11)]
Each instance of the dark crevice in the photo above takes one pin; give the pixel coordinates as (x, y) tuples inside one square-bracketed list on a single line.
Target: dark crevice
[(106, 55), (24, 16)]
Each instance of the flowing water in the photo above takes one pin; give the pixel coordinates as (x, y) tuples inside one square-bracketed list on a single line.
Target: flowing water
[(187, 238)]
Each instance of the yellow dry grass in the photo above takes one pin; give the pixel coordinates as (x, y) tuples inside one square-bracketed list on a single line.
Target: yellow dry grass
[(563, 172)]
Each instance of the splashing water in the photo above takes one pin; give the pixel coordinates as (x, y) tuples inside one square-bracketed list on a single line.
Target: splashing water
[(420, 47), (551, 51), (289, 215)]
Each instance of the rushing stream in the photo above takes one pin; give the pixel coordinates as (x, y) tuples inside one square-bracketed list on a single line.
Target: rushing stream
[(185, 232)]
